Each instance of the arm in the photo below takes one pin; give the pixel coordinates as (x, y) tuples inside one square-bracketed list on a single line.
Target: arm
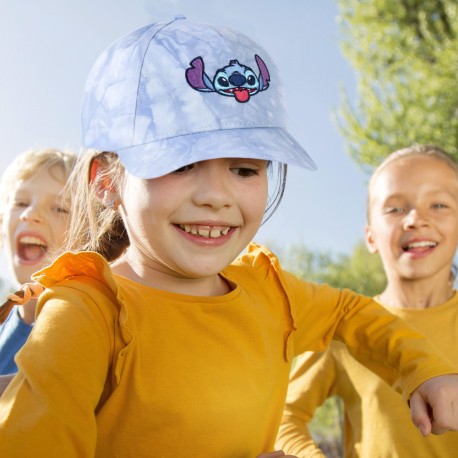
[(62, 372), (13, 335), (383, 343), (311, 383)]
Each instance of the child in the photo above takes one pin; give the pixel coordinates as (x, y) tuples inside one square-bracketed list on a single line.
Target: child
[(175, 348), (34, 217), (413, 224)]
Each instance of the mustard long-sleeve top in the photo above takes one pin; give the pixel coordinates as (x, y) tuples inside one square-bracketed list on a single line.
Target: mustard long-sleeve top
[(377, 421), (114, 368)]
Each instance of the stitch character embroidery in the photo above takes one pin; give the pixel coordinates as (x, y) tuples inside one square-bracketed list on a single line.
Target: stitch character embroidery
[(233, 80)]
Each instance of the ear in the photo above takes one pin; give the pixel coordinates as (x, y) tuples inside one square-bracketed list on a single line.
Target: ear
[(370, 240), (105, 190)]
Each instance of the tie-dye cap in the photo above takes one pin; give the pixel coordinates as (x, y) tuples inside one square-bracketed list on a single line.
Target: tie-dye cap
[(171, 94)]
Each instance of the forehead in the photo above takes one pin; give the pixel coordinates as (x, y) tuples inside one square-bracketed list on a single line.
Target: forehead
[(45, 180), (413, 172)]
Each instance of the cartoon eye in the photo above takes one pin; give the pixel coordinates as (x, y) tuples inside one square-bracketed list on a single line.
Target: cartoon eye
[(251, 79), (222, 81)]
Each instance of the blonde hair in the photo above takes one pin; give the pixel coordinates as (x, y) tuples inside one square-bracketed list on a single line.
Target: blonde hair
[(410, 151), (94, 227), (29, 163)]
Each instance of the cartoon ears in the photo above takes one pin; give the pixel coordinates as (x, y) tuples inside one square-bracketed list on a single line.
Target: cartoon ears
[(370, 240), (105, 190)]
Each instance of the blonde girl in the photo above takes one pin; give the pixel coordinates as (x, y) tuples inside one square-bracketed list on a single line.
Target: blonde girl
[(154, 337)]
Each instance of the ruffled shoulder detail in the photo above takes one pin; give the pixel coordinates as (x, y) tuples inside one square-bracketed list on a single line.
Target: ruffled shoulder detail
[(266, 264), (69, 265)]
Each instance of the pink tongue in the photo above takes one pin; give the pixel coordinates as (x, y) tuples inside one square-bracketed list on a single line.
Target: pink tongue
[(32, 252), (242, 95)]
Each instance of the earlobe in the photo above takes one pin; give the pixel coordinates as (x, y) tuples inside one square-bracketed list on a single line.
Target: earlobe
[(110, 200), (370, 241)]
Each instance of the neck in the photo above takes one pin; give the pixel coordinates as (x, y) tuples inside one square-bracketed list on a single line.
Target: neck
[(214, 285), (416, 294)]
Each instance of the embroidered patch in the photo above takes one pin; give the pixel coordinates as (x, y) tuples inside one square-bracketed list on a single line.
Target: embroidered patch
[(233, 80)]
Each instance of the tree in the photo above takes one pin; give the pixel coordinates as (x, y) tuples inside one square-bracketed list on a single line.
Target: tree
[(405, 57), (360, 271)]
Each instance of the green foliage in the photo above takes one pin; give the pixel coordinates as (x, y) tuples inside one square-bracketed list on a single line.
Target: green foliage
[(405, 56), (360, 271), (326, 427)]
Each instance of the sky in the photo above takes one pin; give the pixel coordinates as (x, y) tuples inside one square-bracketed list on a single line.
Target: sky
[(49, 46)]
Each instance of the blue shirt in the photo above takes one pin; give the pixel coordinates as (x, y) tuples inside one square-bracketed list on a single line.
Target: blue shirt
[(13, 334)]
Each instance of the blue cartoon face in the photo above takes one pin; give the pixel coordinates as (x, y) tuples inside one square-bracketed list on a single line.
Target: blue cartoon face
[(237, 81), (233, 80)]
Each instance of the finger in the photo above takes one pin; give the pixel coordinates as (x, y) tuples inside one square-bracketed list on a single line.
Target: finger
[(420, 414)]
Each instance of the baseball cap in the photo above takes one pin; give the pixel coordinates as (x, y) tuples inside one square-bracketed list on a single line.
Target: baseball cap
[(171, 94)]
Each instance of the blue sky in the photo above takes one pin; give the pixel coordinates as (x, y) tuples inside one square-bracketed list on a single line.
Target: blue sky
[(49, 46)]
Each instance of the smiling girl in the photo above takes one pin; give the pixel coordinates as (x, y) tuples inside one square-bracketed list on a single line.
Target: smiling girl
[(33, 216), (154, 337), (413, 225)]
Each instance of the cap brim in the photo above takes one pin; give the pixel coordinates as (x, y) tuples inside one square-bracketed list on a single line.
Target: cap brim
[(154, 159)]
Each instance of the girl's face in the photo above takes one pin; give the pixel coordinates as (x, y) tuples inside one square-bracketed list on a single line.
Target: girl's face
[(414, 218), (35, 221), (192, 223)]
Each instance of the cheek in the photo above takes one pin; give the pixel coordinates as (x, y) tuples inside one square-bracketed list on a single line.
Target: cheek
[(58, 228)]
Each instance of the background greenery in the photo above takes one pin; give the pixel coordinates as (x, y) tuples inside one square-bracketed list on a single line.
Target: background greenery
[(405, 57)]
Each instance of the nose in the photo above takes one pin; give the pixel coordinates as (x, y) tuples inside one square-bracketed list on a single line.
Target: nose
[(213, 188), (236, 79), (414, 219), (31, 214)]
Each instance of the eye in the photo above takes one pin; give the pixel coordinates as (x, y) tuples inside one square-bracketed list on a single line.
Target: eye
[(245, 172), (439, 205), (61, 210), (251, 78), (394, 210), (223, 82), (20, 203), (183, 169)]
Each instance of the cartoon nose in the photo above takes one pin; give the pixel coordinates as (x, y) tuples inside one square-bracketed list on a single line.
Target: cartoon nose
[(237, 79)]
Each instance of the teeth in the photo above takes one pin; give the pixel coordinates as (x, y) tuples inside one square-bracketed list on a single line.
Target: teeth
[(421, 244), (205, 232), (31, 241)]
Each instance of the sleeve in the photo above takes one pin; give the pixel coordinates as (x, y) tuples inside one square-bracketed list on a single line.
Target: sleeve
[(311, 383), (384, 343), (49, 407), (13, 335)]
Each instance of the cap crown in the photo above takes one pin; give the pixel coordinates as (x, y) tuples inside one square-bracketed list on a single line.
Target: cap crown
[(144, 88)]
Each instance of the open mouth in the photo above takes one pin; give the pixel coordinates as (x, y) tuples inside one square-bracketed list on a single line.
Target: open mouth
[(213, 232), (31, 249), (419, 246)]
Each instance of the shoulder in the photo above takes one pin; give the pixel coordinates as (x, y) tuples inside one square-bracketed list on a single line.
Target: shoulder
[(86, 266), (256, 258)]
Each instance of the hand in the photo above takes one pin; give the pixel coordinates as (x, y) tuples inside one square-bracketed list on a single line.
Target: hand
[(277, 454), (434, 405)]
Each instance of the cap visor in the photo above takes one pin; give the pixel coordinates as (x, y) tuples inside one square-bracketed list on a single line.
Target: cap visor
[(154, 159)]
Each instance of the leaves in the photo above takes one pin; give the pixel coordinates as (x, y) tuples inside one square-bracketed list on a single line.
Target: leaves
[(405, 58)]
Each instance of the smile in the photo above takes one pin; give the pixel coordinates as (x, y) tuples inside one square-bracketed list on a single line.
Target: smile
[(213, 232), (422, 244), (31, 249)]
